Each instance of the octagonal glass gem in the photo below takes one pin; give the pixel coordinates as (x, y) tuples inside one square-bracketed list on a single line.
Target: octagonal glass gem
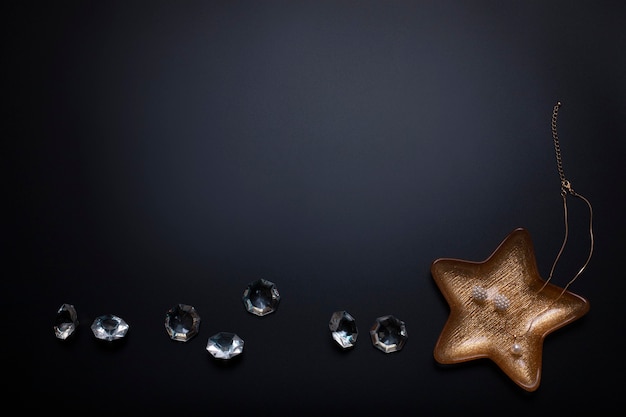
[(182, 322), (343, 329), (388, 334), (66, 321), (109, 327), (261, 297), (224, 345)]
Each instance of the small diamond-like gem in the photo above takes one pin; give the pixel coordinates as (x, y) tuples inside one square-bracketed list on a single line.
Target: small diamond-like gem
[(109, 327), (182, 322), (343, 328), (389, 334), (261, 297), (66, 321), (224, 345)]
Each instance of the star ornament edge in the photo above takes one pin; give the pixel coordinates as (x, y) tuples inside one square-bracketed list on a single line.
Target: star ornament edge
[(475, 330)]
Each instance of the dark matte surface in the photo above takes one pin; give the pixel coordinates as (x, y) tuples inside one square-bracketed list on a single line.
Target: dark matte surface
[(171, 152)]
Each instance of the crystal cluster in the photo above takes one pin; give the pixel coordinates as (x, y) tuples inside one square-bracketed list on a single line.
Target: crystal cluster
[(479, 294), (500, 302)]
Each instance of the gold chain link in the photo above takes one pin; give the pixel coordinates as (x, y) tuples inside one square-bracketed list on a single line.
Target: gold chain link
[(566, 187)]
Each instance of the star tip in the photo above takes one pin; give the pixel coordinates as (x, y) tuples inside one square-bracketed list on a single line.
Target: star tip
[(520, 230)]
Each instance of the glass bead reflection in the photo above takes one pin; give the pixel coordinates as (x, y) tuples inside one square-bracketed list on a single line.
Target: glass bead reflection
[(343, 329), (66, 321), (389, 334), (261, 297), (182, 322)]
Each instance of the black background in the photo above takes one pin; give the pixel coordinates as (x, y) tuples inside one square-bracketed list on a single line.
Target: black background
[(172, 152)]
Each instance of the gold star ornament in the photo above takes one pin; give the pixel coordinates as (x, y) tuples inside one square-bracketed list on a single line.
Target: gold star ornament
[(501, 309)]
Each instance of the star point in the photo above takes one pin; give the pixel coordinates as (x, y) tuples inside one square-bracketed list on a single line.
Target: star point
[(501, 310)]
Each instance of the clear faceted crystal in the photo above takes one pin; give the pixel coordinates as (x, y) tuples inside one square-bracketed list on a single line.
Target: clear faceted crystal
[(224, 345), (343, 329), (261, 297), (389, 334), (109, 327), (182, 322), (66, 321)]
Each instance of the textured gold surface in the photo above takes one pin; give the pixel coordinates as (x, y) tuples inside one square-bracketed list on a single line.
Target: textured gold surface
[(477, 329)]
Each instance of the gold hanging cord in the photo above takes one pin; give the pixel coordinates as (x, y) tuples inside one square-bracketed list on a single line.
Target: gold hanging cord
[(566, 188)]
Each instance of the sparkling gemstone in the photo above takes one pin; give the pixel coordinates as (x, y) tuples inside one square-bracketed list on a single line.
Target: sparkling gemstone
[(224, 345), (343, 329), (182, 322), (261, 297), (109, 327), (389, 334), (66, 321)]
